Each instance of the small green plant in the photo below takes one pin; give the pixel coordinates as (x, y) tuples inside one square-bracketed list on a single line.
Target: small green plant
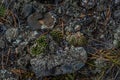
[(2, 11), (40, 45), (77, 39), (57, 35)]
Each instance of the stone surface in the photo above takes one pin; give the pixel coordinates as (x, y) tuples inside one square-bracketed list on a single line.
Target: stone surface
[(67, 61), (11, 34), (32, 21), (27, 10), (117, 14), (2, 29), (2, 44), (48, 21), (88, 4), (116, 41), (117, 1), (6, 75)]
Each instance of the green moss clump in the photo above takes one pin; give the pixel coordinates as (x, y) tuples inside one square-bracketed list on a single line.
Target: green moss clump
[(2, 11), (40, 45), (57, 35), (77, 39)]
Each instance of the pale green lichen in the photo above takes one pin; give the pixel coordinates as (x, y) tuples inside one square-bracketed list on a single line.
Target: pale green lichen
[(77, 39), (40, 45)]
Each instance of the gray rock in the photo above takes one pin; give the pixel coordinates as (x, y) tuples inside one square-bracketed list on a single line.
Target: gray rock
[(27, 10), (116, 41), (33, 22), (2, 29), (23, 61), (6, 75), (68, 61), (36, 21), (117, 1), (53, 46), (73, 26), (48, 21), (117, 14), (2, 44), (90, 4), (77, 28), (11, 34)]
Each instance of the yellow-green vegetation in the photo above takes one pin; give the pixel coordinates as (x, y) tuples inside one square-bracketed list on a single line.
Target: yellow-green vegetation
[(40, 45), (111, 56), (2, 11), (77, 39), (57, 35), (106, 60)]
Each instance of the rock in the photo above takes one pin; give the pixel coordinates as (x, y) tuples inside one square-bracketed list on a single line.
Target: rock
[(33, 22), (72, 11), (36, 21), (48, 21), (117, 14), (2, 29), (23, 61), (53, 46), (6, 75), (88, 4), (102, 5), (49, 1), (68, 61), (117, 1), (77, 28), (73, 26), (116, 41), (11, 34), (32, 35), (2, 44), (117, 34), (27, 10)]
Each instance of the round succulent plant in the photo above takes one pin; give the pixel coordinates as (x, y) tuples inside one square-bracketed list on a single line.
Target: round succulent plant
[(77, 39), (57, 35), (40, 45)]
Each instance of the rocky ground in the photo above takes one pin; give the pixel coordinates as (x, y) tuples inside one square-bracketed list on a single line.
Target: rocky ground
[(60, 40)]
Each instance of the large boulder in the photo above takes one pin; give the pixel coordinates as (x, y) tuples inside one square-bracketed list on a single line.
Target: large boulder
[(64, 61)]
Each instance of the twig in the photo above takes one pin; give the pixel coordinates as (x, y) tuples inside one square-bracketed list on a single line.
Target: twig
[(8, 55), (15, 23), (2, 61)]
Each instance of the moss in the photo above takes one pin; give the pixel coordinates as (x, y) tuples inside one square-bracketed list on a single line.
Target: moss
[(2, 11), (57, 35), (40, 45), (77, 39)]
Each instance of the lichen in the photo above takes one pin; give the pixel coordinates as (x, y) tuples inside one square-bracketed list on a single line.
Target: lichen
[(77, 39), (40, 45), (57, 35)]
